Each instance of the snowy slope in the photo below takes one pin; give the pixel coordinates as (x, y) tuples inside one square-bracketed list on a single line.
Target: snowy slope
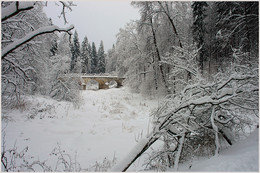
[(242, 156)]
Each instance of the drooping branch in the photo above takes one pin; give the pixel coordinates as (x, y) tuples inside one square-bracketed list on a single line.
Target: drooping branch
[(43, 30)]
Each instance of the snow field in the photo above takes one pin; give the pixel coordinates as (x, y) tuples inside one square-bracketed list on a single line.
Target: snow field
[(107, 125)]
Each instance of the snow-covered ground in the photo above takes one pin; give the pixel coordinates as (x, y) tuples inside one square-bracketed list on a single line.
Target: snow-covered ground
[(242, 156), (100, 132), (106, 125)]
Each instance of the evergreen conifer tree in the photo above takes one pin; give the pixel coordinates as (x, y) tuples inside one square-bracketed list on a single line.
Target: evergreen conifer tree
[(75, 52), (94, 58), (101, 59), (90, 58), (85, 55)]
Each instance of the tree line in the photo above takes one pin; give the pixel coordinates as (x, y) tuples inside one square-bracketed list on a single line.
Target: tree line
[(86, 58), (217, 30)]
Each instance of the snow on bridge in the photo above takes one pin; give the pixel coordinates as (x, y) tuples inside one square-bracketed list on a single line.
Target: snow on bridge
[(103, 81)]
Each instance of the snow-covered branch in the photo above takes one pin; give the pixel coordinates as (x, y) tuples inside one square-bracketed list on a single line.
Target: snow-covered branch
[(199, 106), (68, 6), (43, 30), (215, 128), (136, 152), (15, 8)]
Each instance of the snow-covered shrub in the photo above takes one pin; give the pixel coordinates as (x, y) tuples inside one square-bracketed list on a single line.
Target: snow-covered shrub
[(64, 161), (66, 87), (19, 161), (42, 110), (207, 113), (103, 166)]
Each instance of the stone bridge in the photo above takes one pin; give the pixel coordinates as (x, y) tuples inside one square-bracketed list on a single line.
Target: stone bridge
[(102, 81)]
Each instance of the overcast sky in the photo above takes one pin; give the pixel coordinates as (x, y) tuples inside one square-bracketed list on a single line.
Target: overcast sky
[(96, 19)]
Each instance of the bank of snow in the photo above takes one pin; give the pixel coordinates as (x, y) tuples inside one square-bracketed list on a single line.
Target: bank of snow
[(242, 156)]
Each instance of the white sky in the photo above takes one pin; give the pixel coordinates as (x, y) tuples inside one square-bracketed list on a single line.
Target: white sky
[(96, 19)]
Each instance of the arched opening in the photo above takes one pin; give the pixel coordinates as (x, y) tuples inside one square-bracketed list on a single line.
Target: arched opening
[(112, 84), (92, 85)]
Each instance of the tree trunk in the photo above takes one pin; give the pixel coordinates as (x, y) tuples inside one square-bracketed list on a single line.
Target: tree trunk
[(158, 55)]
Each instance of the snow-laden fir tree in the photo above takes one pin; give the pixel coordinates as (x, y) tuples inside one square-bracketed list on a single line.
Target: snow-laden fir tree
[(90, 58), (101, 66), (94, 58), (85, 55), (75, 52)]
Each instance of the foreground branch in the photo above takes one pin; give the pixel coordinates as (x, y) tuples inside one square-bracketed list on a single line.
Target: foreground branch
[(15, 8), (43, 30), (137, 151)]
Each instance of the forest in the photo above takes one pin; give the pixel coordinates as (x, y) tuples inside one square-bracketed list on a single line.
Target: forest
[(200, 58)]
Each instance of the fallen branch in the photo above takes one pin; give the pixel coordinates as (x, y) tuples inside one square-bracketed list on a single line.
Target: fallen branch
[(137, 151)]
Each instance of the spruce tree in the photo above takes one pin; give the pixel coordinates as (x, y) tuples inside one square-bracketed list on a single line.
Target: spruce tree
[(85, 55), (90, 58), (75, 51), (94, 60), (101, 59)]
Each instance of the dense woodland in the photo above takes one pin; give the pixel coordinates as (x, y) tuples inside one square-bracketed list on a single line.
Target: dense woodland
[(201, 56)]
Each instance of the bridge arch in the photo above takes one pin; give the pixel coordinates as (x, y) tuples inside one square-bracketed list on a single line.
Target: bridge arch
[(91, 84)]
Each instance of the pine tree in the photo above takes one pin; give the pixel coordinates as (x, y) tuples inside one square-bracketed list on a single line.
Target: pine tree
[(101, 66), (199, 29), (85, 55), (94, 60), (75, 51)]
